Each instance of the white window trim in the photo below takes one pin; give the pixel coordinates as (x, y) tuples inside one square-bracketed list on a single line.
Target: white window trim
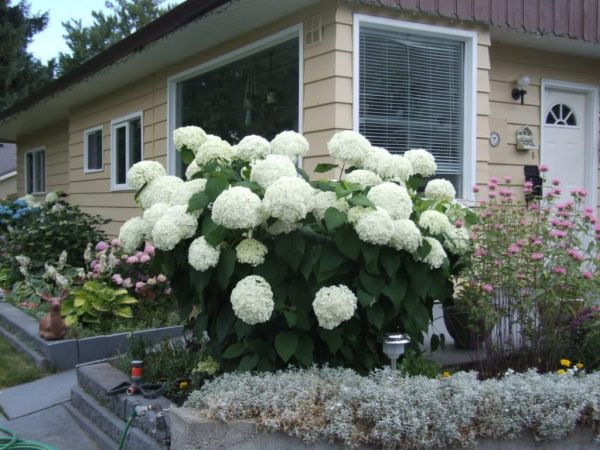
[(470, 86), (85, 149), (219, 61), (36, 150), (113, 146)]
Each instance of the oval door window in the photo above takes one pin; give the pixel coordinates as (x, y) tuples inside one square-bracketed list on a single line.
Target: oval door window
[(561, 114)]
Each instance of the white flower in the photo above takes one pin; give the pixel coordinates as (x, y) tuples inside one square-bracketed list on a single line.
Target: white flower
[(57, 208), (155, 212), (441, 190), (394, 167), (252, 300), (393, 198), (183, 192), (201, 255), (406, 236), (144, 172), (436, 256), (421, 161), (132, 234), (51, 197), (365, 178), (251, 148), (214, 149), (266, 171), (323, 200), (290, 144), (251, 251), (191, 170), (356, 212), (349, 147), (435, 222), (238, 208), (160, 190), (174, 226), (333, 305), (190, 137), (373, 158), (282, 227), (375, 227), (29, 199), (457, 240), (289, 199)]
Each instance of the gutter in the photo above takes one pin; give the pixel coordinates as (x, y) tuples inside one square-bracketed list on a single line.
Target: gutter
[(8, 175)]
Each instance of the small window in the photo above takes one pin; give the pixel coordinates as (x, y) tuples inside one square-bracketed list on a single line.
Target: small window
[(126, 148), (562, 115), (35, 171), (92, 150)]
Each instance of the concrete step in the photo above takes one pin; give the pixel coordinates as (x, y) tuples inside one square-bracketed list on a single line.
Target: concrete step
[(102, 440)]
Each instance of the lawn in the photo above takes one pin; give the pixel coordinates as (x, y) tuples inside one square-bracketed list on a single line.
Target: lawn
[(14, 367)]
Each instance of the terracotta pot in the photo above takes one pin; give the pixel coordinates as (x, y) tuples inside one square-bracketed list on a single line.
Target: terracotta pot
[(457, 324)]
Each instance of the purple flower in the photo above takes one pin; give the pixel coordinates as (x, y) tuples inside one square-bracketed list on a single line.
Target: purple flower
[(558, 233), (133, 260), (101, 246), (560, 270), (513, 249), (588, 275), (117, 279), (115, 243), (537, 256), (488, 288), (144, 258), (543, 168), (161, 278), (149, 249), (139, 285)]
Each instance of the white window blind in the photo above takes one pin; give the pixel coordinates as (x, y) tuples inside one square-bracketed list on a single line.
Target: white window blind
[(411, 95)]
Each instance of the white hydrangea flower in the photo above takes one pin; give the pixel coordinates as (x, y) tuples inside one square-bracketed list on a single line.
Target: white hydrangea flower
[(356, 212), (191, 170), (365, 178), (406, 236), (252, 300), (29, 199), (323, 200), (202, 256), (349, 147), (250, 251), (51, 197), (214, 149), (458, 240), (266, 171), (155, 212), (251, 148), (282, 227), (238, 208), (375, 227), (437, 255), (190, 137), (394, 167), (333, 305), (435, 222), (421, 161), (174, 226), (374, 157), (160, 190), (132, 234), (289, 199), (393, 198), (144, 172), (290, 144), (440, 190), (183, 192)]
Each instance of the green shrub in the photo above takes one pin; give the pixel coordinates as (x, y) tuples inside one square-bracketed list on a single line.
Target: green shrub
[(585, 338)]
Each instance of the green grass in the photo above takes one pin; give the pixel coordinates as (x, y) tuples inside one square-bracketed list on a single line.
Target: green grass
[(14, 367)]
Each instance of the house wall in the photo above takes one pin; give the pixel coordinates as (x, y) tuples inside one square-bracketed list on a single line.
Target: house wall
[(8, 187)]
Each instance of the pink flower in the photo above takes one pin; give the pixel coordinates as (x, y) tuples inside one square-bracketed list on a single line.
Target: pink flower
[(492, 186), (144, 258), (475, 189), (133, 260), (521, 242), (488, 288), (139, 254), (555, 182), (481, 252), (101, 246), (115, 243), (127, 283), (161, 278), (507, 178), (459, 223), (93, 264), (558, 234), (559, 270), (588, 275), (543, 168), (493, 180), (117, 279), (506, 192), (513, 249), (492, 195), (537, 256), (149, 249), (139, 285)]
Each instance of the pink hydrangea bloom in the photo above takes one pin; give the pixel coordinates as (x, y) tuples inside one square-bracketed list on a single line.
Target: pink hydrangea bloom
[(133, 260), (588, 275), (149, 249), (488, 288), (117, 279), (161, 278), (139, 285), (115, 243), (543, 168), (101, 246), (144, 258), (127, 283)]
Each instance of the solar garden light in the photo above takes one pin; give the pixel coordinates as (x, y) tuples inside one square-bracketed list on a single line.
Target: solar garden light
[(393, 347)]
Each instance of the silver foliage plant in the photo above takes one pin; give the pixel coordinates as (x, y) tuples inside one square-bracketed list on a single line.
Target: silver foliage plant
[(385, 409)]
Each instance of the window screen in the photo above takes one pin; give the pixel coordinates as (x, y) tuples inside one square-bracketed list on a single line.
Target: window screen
[(94, 150)]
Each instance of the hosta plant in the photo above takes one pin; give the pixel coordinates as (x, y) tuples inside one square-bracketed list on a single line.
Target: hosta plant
[(279, 270)]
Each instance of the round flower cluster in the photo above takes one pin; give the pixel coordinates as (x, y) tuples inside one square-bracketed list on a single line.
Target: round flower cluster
[(250, 251), (160, 190), (189, 137), (440, 190), (388, 166), (51, 197), (435, 222), (251, 148), (436, 256), (238, 208), (132, 234), (457, 240), (155, 212), (422, 162), (356, 212), (266, 171), (333, 305), (375, 227), (323, 200), (288, 199), (393, 198), (201, 255), (174, 226), (183, 192), (283, 227), (365, 178), (144, 172), (214, 149), (252, 300), (191, 170), (406, 236), (290, 144), (349, 147)]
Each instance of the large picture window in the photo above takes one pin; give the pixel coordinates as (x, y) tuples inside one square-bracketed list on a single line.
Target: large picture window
[(126, 148), (35, 171)]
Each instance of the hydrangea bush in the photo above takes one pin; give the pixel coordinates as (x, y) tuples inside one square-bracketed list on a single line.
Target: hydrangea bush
[(279, 270)]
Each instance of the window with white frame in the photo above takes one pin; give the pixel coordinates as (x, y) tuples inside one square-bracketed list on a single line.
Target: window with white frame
[(35, 171), (126, 148), (413, 90), (92, 150)]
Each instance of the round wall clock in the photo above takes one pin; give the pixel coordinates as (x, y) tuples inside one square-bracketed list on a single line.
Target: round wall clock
[(494, 139)]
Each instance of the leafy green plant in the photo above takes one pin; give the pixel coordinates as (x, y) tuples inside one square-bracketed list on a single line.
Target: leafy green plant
[(6, 280), (414, 363), (585, 338)]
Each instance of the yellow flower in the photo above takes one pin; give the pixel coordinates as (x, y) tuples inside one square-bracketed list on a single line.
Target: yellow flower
[(445, 374), (565, 362), (579, 366), (561, 371), (183, 385)]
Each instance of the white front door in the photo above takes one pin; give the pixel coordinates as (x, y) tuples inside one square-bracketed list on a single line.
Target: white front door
[(565, 139)]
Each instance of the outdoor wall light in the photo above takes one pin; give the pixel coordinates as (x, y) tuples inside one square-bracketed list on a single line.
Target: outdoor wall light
[(393, 347), (519, 92)]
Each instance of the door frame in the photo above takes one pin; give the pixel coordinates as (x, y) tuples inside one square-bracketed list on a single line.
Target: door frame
[(591, 135)]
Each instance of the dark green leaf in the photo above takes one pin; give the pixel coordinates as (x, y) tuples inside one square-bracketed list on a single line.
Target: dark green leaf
[(331, 259), (225, 319), (334, 218), (424, 249), (361, 200), (226, 267), (332, 338), (248, 363), (347, 352), (324, 167), (391, 261), (375, 315), (396, 290), (370, 253), (187, 156), (371, 284), (242, 329), (214, 186), (198, 201), (347, 242), (304, 350), (291, 318), (364, 298), (435, 342), (286, 343), (234, 350), (303, 174), (216, 235), (253, 186), (290, 248), (273, 269), (311, 257)]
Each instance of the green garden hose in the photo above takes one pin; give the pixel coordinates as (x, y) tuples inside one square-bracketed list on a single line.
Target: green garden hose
[(126, 429), (9, 441)]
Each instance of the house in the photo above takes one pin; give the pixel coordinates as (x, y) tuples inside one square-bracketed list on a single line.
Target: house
[(8, 170), (460, 78)]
